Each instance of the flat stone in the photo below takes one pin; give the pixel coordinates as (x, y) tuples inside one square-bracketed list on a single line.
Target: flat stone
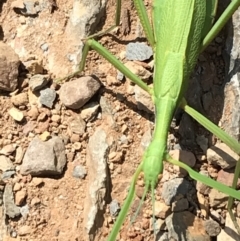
[(10, 208), (9, 63), (47, 97), (174, 187), (76, 93), (79, 172), (138, 70), (186, 157), (19, 155), (138, 51), (76, 125), (97, 177), (38, 81), (161, 209), (202, 188), (90, 111), (16, 114), (143, 99), (44, 158), (221, 155), (8, 149), (6, 164), (186, 226), (20, 196), (114, 208)]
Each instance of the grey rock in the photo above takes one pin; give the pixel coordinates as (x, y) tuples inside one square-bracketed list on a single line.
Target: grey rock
[(77, 125), (120, 76), (212, 227), (180, 227), (83, 23), (44, 158), (79, 172), (186, 157), (174, 187), (31, 7), (114, 208), (8, 149), (202, 141), (106, 106), (6, 164), (202, 188), (180, 205), (38, 81), (138, 51), (97, 151), (47, 97), (108, 111), (24, 210), (8, 174), (44, 47), (143, 99), (231, 116), (76, 93), (9, 63), (221, 155), (10, 209), (89, 112)]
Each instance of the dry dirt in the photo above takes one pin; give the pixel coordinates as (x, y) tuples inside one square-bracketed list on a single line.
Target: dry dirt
[(59, 215)]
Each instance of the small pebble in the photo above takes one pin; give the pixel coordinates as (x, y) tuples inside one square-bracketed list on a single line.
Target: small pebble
[(79, 172), (138, 51), (77, 146), (24, 210), (47, 97), (16, 114), (114, 208), (212, 228)]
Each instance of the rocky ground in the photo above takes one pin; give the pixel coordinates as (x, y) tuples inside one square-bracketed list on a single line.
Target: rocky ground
[(68, 150)]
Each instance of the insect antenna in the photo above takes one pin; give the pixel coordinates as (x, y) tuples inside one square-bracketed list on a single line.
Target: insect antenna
[(140, 204), (153, 207)]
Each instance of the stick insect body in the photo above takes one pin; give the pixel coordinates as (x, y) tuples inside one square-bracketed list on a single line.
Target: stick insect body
[(181, 30)]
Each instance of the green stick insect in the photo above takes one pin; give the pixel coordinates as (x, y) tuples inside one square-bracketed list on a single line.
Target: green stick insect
[(181, 31)]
